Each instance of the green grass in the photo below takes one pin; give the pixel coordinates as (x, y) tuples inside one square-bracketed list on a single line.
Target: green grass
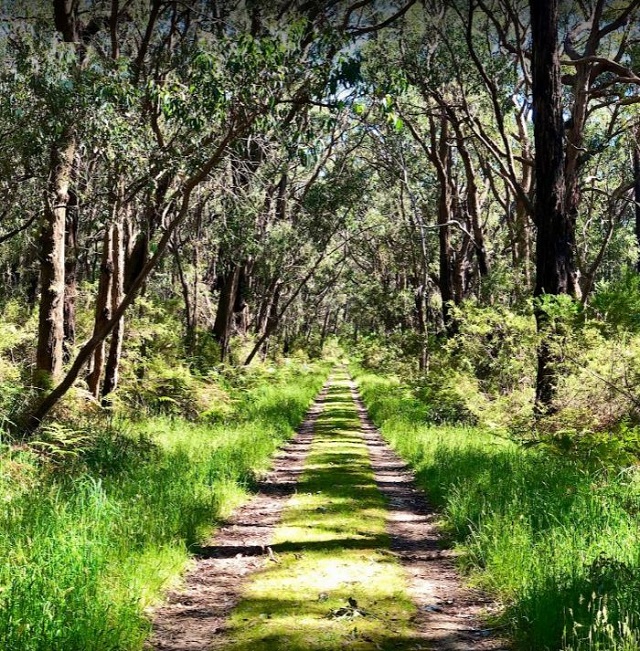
[(556, 543), (331, 546), (87, 543)]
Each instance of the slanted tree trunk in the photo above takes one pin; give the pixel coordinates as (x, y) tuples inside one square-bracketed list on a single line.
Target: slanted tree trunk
[(554, 254), (32, 417), (265, 307), (49, 356)]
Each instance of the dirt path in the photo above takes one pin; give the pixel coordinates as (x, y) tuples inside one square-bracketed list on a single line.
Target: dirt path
[(277, 584)]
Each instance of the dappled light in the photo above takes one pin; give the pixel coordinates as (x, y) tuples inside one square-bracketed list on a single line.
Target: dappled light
[(331, 546), (319, 325)]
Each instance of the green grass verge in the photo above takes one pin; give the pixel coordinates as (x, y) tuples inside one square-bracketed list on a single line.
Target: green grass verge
[(88, 543), (557, 543), (331, 546)]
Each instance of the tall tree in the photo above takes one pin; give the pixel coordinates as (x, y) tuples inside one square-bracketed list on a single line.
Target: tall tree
[(554, 252), (51, 334)]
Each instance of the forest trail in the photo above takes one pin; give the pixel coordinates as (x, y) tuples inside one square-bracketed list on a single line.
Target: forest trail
[(338, 550)]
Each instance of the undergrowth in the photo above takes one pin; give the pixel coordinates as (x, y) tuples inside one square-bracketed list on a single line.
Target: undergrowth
[(97, 521), (553, 538)]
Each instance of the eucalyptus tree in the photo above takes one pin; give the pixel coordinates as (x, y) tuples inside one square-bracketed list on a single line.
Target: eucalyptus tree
[(555, 238), (129, 111), (558, 165), (423, 97), (179, 96)]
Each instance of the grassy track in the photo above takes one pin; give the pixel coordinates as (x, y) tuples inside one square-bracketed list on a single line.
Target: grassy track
[(330, 547)]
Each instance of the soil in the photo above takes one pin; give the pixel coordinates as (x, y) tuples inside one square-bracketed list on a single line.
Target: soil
[(448, 615)]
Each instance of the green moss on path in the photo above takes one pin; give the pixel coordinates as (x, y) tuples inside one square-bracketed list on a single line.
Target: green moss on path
[(330, 548)]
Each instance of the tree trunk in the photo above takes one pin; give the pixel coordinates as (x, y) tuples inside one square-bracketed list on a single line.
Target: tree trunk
[(70, 276), (440, 155), (117, 291), (271, 324), (636, 196), (51, 330), (445, 256), (474, 203), (265, 307), (554, 254), (573, 162), (32, 417), (103, 309), (186, 297), (224, 314), (49, 356), (325, 327), (240, 308)]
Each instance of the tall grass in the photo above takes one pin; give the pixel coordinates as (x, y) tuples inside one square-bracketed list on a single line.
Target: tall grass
[(558, 544), (90, 541)]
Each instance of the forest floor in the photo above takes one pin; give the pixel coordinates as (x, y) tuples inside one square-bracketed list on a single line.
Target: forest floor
[(337, 550)]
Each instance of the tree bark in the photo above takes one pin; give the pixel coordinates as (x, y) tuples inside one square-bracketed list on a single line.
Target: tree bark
[(474, 205), (441, 157), (636, 196), (224, 314), (49, 356), (70, 276), (32, 418), (554, 254), (112, 368), (186, 297), (103, 309)]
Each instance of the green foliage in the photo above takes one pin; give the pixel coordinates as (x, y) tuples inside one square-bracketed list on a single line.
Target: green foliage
[(554, 541), (99, 520), (617, 302), (374, 353), (494, 347), (16, 337)]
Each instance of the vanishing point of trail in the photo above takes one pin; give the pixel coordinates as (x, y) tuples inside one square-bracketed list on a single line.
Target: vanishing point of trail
[(337, 551)]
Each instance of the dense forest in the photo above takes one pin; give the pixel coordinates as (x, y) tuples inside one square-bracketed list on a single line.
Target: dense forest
[(206, 204)]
